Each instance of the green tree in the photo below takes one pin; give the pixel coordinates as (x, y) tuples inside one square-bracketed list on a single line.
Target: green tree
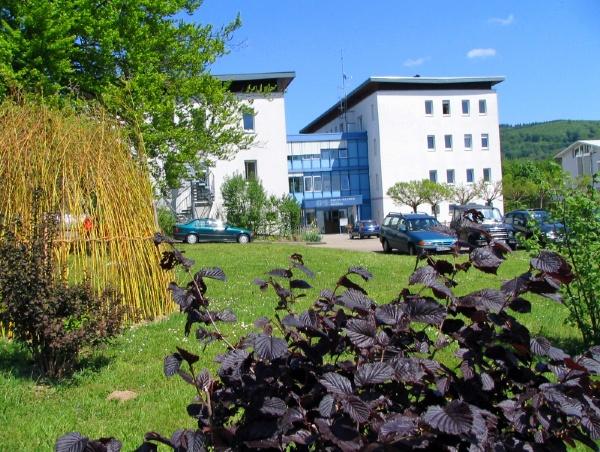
[(435, 193), (531, 184), (141, 60), (408, 193), (245, 202), (290, 215), (463, 193), (488, 191)]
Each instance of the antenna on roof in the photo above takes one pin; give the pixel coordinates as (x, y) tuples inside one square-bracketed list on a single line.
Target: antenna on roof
[(343, 101)]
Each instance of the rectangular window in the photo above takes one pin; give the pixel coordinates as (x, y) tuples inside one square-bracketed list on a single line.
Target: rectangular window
[(448, 142), (470, 176), (485, 141), (445, 107), (466, 107), (335, 182), (308, 183), (433, 175), (295, 184), (429, 107), (326, 182), (487, 174), (482, 107), (248, 119), (345, 182), (342, 127), (431, 142), (359, 123), (450, 176), (250, 169), (468, 141), (343, 153), (316, 183)]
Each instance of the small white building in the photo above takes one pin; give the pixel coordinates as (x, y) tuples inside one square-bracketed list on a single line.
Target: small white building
[(265, 159), (441, 128), (581, 158)]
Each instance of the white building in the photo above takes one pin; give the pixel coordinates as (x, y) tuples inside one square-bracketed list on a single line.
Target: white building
[(265, 159), (440, 128), (581, 158)]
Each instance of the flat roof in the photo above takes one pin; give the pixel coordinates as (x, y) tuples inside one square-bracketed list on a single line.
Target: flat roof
[(239, 83), (395, 83)]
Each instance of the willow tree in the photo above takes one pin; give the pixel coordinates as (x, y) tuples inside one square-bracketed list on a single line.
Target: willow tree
[(84, 174), (145, 62)]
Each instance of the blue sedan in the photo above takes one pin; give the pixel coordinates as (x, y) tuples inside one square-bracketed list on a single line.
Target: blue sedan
[(210, 230)]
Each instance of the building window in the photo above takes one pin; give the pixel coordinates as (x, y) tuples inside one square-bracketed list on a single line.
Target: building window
[(470, 176), (450, 176), (295, 184), (445, 107), (248, 119), (316, 183), (342, 127), (345, 182), (466, 107), (250, 169), (429, 107), (433, 175), (335, 182), (485, 141), (468, 141), (487, 174), (343, 153), (308, 183), (431, 142), (482, 107), (326, 182), (448, 142)]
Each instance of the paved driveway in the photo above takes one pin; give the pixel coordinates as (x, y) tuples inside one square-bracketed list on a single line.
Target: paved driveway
[(342, 241)]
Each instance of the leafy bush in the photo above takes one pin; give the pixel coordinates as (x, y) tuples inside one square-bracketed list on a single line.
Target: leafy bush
[(244, 201), (350, 374), (52, 319), (166, 220), (579, 211), (311, 234)]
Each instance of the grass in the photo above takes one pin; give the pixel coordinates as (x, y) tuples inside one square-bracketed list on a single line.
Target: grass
[(34, 413)]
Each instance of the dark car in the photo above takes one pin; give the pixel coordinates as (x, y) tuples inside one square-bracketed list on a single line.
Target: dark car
[(413, 233), (210, 230), (524, 221), (491, 223), (364, 228)]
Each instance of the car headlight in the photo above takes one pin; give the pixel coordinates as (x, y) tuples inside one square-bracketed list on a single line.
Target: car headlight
[(424, 243)]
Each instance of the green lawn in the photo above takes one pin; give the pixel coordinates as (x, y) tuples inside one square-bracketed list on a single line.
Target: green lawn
[(33, 414)]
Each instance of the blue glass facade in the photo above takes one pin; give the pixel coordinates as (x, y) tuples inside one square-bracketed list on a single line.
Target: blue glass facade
[(332, 182)]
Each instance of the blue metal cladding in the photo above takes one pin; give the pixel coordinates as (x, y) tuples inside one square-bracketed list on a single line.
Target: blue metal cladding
[(340, 173)]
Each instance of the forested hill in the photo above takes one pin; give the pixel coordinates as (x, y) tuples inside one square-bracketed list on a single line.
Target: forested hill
[(544, 139)]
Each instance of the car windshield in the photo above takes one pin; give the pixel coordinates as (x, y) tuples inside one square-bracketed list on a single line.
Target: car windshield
[(541, 216), (418, 224), (491, 213)]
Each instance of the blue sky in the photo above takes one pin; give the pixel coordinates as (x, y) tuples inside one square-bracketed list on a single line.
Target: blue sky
[(549, 51)]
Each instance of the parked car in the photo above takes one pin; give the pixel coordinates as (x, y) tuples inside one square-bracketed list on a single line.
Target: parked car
[(364, 228), (412, 233), (210, 230), (525, 220), (492, 223)]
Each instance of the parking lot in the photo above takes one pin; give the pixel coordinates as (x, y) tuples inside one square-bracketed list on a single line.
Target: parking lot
[(342, 241)]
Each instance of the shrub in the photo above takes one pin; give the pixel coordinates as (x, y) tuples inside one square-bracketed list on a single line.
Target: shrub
[(311, 234), (52, 319), (350, 374), (579, 211), (166, 220)]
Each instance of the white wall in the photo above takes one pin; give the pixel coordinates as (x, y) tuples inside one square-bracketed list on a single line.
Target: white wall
[(398, 127), (269, 150)]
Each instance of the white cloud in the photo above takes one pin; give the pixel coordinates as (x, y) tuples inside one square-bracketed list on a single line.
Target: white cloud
[(415, 62), (481, 53), (504, 22)]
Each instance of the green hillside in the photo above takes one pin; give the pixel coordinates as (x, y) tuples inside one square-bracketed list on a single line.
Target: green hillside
[(544, 139)]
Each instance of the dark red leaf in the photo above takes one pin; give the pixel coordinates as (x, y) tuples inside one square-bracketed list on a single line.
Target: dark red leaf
[(362, 333), (355, 300), (190, 358), (273, 406), (71, 442), (425, 310), (362, 272), (299, 284), (485, 259), (455, 418), (280, 272), (211, 272), (373, 373), (346, 282), (327, 406), (172, 364), (336, 384), (356, 408), (269, 347)]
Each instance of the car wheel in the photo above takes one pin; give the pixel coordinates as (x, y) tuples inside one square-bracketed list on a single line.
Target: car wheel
[(411, 249), (386, 246), (243, 238), (191, 239)]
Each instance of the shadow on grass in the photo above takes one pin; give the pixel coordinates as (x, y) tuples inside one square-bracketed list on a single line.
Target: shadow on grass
[(17, 362)]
